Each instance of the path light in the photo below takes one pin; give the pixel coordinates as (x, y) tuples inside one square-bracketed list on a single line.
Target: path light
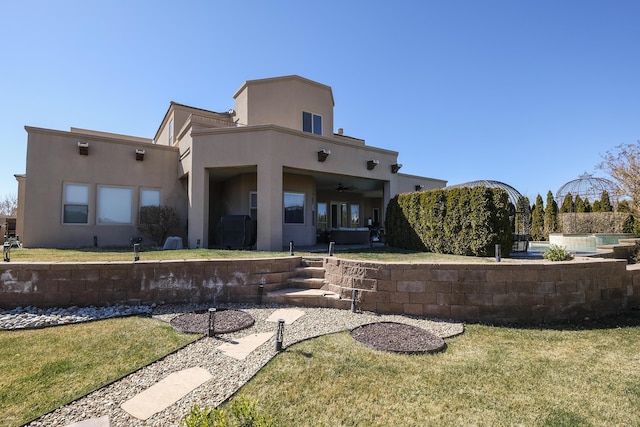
[(260, 291), (7, 251), (280, 334), (331, 246), (354, 297), (136, 251), (212, 321), (291, 247), (498, 253)]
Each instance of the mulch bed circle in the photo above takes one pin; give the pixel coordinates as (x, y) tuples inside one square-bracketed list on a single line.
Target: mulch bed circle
[(224, 321), (398, 337)]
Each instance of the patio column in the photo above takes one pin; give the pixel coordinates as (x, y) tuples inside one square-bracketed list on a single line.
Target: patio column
[(269, 207)]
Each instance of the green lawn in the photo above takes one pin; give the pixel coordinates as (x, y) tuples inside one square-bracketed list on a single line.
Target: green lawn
[(46, 368), (489, 376)]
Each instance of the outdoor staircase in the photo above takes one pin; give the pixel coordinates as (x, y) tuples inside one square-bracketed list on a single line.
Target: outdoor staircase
[(308, 287)]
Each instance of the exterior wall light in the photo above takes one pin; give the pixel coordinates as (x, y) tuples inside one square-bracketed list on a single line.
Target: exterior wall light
[(419, 187), (323, 154), (83, 148), (139, 155), (372, 164), (395, 167)]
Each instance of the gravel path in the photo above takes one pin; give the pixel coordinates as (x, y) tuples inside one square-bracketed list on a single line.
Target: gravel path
[(228, 373)]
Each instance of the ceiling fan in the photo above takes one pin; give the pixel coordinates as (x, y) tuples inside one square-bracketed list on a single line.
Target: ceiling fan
[(342, 188)]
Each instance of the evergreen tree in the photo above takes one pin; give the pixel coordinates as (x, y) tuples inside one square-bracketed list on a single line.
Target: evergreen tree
[(550, 215), (579, 204), (567, 204), (624, 206), (537, 220), (587, 205), (596, 206), (605, 203), (521, 224)]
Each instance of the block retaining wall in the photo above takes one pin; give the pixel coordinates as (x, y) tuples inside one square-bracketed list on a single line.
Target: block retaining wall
[(506, 292), (190, 281)]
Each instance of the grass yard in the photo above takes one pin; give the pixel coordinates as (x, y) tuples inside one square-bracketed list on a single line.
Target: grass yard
[(489, 376), (46, 368)]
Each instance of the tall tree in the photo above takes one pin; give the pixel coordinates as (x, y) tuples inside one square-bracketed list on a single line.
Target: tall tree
[(9, 205), (587, 205), (605, 203), (622, 163), (579, 204), (567, 204), (550, 215), (537, 220)]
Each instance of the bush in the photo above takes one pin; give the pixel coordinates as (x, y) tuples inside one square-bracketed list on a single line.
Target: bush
[(556, 253), (243, 414), (158, 222)]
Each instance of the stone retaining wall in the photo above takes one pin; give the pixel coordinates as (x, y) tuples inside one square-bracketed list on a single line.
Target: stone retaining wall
[(506, 292), (66, 284)]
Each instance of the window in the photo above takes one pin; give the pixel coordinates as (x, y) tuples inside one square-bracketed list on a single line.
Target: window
[(344, 215), (322, 216), (311, 123), (293, 208), (355, 215), (149, 197), (253, 205), (114, 205), (75, 204)]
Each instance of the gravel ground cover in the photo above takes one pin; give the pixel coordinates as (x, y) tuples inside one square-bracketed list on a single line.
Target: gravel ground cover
[(229, 374)]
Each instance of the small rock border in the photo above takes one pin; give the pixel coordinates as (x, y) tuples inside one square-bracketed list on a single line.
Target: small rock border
[(398, 338)]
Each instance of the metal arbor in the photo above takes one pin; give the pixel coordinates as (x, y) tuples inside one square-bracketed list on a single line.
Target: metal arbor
[(588, 187)]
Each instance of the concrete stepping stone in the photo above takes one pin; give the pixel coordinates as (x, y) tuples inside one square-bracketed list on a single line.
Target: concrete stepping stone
[(289, 315), (93, 422), (165, 392), (242, 347)]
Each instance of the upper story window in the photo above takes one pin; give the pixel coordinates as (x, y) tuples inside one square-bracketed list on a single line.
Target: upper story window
[(311, 123)]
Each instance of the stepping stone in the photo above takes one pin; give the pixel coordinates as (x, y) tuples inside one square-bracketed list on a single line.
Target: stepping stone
[(289, 315), (165, 392), (93, 422), (242, 347)]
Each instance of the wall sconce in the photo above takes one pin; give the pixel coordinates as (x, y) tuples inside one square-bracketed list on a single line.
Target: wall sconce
[(139, 154), (323, 154), (83, 148), (419, 187), (395, 167), (372, 164)]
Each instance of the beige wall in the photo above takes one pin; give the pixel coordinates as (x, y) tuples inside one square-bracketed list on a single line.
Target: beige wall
[(407, 183), (20, 213), (53, 159), (292, 95)]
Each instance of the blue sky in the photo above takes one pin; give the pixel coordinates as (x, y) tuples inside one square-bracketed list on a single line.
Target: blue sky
[(531, 93)]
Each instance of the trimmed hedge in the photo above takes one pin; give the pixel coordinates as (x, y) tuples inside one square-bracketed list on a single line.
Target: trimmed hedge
[(461, 221)]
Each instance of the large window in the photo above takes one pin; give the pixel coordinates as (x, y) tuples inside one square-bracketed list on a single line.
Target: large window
[(312, 123), (293, 208), (322, 216), (75, 204), (355, 215), (114, 205), (149, 197)]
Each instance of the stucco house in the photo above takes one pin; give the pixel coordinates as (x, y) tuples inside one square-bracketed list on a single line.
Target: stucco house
[(274, 157)]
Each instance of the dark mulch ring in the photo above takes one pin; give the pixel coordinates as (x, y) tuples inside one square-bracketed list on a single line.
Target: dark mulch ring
[(224, 321), (398, 337)]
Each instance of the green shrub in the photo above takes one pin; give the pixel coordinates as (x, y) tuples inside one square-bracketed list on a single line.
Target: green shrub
[(556, 253), (243, 414)]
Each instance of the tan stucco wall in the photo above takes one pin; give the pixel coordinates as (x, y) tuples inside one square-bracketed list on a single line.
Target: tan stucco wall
[(53, 159)]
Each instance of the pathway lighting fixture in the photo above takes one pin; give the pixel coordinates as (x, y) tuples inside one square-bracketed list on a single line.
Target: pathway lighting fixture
[(354, 297), (7, 251), (291, 248), (331, 246), (212, 320), (260, 292), (280, 334), (498, 253), (136, 251)]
